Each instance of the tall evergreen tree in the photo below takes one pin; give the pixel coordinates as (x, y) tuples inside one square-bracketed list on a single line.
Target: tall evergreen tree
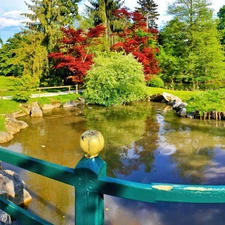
[(192, 42), (48, 16), (149, 9), (221, 25), (7, 56), (45, 20), (101, 12)]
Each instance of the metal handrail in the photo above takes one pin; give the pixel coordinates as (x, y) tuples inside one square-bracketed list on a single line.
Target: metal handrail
[(91, 184)]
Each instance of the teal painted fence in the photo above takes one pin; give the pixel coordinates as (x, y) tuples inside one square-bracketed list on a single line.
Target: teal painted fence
[(91, 184)]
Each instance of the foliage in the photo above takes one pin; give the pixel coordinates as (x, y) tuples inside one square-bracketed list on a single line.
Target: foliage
[(207, 101), (114, 79), (139, 41), (74, 56), (221, 24), (149, 9), (101, 12), (7, 54), (24, 88), (192, 51), (47, 17), (156, 82), (32, 55), (6, 82)]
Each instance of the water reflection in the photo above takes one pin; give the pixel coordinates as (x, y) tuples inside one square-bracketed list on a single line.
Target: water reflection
[(143, 143)]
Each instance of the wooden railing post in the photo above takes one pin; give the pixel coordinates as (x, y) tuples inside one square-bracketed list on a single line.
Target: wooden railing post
[(89, 204)]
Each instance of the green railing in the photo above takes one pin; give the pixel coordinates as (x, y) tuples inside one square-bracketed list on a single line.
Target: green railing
[(91, 183)]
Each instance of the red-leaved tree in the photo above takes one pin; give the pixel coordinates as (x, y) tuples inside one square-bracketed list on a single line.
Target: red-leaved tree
[(73, 54), (138, 40)]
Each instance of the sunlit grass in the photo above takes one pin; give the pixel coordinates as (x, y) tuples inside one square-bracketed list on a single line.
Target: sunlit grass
[(2, 123), (8, 106), (203, 101)]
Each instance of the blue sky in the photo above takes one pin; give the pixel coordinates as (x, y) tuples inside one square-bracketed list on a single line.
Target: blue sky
[(11, 20)]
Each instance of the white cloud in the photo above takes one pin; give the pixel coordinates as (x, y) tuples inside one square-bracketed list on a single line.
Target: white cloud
[(4, 22), (15, 14)]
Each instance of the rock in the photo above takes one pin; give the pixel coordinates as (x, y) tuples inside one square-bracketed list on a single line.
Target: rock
[(5, 219), (12, 126), (191, 115), (182, 112), (5, 137), (70, 104), (157, 98), (36, 110), (13, 188), (173, 101), (47, 107), (81, 100)]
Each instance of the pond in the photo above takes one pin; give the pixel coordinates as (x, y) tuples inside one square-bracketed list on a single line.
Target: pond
[(144, 142)]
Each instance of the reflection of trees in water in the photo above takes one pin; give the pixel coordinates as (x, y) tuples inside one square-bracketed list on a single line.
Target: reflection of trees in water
[(194, 150), (130, 134), (120, 125)]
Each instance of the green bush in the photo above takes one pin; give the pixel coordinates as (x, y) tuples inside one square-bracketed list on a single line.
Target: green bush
[(25, 86), (156, 82), (114, 79)]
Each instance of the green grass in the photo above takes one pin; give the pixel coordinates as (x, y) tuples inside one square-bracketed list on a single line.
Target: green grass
[(8, 106), (49, 100), (2, 123), (204, 101), (6, 83)]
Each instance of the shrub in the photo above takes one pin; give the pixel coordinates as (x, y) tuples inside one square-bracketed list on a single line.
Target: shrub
[(24, 88), (114, 79), (156, 81)]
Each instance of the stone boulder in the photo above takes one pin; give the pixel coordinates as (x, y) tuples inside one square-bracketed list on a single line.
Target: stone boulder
[(70, 104), (176, 103), (13, 188), (12, 126), (47, 107), (36, 110)]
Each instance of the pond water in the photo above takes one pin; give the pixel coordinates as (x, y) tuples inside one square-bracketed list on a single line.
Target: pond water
[(143, 142)]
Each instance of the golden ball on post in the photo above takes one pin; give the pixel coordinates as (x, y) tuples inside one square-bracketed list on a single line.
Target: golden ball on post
[(91, 142)]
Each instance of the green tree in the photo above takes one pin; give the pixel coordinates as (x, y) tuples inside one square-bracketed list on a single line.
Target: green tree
[(101, 12), (114, 79), (191, 42), (47, 17), (32, 55), (221, 25), (149, 9), (7, 55)]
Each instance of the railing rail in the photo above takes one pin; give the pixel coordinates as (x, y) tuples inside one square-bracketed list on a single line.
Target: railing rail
[(91, 184)]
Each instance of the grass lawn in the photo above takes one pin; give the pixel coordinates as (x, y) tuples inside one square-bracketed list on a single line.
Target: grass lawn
[(6, 86), (204, 101)]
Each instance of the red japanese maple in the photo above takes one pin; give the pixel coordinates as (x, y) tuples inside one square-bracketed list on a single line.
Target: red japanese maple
[(73, 55), (138, 40)]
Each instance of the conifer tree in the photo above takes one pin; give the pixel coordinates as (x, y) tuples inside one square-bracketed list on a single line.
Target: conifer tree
[(191, 42), (101, 12), (149, 9), (221, 25), (48, 16)]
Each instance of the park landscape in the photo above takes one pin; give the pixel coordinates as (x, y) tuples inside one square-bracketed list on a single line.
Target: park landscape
[(119, 56)]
